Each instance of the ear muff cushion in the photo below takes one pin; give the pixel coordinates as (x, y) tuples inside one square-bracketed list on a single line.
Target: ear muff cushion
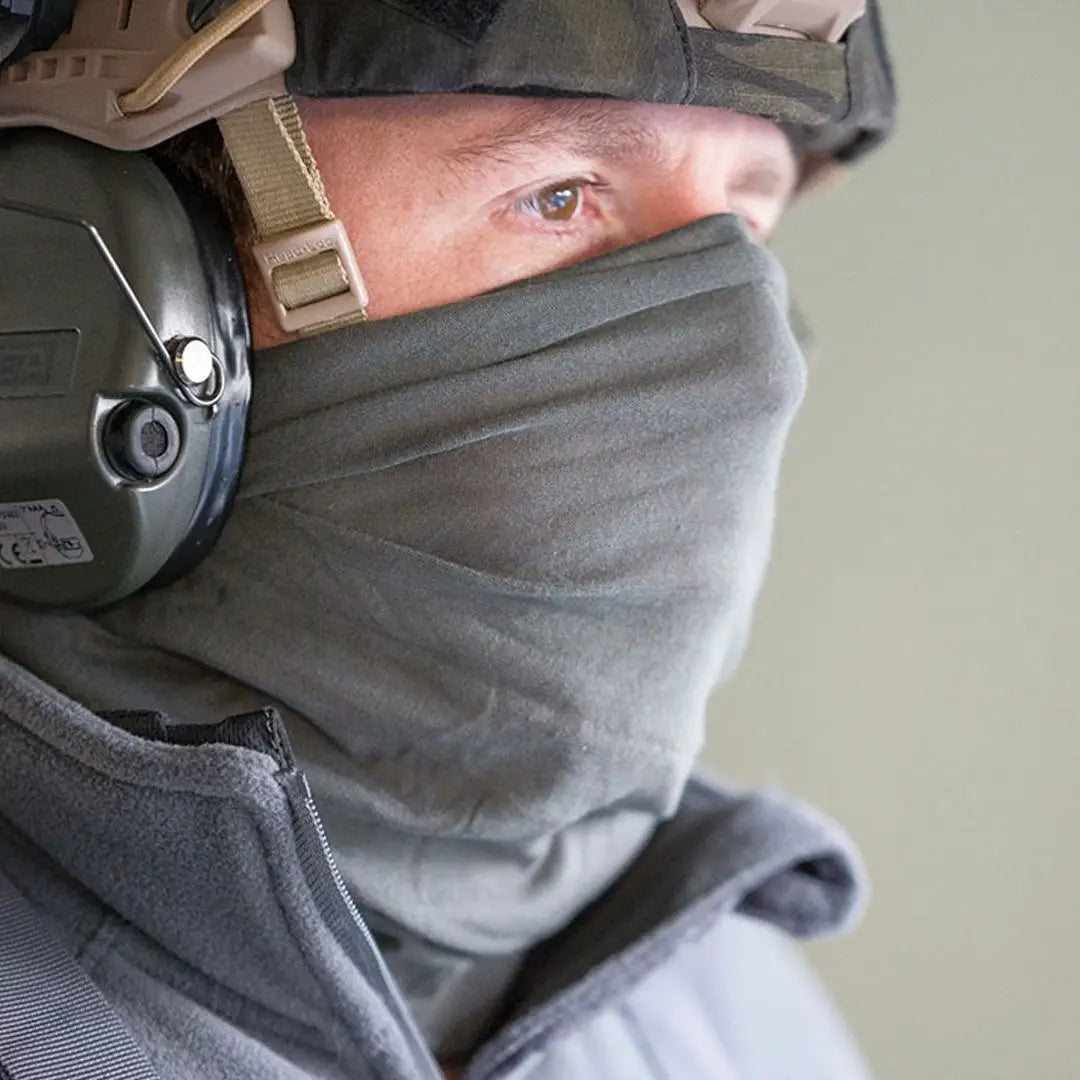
[(221, 266)]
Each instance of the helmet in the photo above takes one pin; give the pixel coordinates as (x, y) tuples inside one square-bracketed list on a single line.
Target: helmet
[(165, 446), (129, 75), (820, 66)]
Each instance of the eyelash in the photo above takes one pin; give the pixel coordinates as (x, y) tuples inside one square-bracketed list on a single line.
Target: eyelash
[(521, 204), (525, 206)]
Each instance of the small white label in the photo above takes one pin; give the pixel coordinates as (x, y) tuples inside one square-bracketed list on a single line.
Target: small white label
[(38, 534)]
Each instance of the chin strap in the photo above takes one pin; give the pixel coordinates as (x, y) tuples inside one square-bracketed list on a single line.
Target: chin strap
[(302, 250)]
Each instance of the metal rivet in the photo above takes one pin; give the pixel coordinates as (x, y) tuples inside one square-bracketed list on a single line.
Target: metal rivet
[(193, 360)]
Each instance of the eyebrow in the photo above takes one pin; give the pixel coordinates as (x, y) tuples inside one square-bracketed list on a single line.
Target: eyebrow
[(591, 129), (577, 127)]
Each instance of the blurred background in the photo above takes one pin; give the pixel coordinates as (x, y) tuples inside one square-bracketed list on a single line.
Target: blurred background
[(914, 667)]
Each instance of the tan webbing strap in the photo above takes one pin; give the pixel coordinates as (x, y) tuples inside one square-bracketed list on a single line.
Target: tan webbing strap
[(302, 251)]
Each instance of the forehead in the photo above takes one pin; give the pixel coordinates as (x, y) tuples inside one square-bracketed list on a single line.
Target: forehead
[(581, 120), (473, 128)]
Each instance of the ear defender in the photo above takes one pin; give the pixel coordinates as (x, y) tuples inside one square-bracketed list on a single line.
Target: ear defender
[(124, 372)]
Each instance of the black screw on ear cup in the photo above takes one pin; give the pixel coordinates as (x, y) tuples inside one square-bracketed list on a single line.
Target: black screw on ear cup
[(142, 441)]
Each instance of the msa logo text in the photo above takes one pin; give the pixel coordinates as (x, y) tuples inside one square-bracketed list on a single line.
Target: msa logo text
[(39, 364)]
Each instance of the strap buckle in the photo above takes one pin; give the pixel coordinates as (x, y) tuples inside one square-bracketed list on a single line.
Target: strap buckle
[(816, 20), (293, 248)]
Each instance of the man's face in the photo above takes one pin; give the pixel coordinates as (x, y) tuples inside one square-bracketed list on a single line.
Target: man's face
[(449, 196)]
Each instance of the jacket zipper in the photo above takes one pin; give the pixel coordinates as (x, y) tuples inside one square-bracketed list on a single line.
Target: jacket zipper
[(387, 985)]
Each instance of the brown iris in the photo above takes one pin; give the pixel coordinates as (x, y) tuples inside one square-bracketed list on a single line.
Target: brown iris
[(559, 202)]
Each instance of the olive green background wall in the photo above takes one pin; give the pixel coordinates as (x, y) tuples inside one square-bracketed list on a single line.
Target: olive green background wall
[(915, 665)]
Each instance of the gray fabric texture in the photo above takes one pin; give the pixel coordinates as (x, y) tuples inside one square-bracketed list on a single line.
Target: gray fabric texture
[(491, 559), (454, 996), (750, 855), (54, 1022), (183, 877), (191, 874), (768, 1020)]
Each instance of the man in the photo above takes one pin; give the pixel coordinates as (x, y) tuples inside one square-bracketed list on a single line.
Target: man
[(491, 551), (499, 189)]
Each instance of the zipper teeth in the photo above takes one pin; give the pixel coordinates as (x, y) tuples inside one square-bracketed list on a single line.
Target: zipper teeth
[(335, 873), (420, 1047)]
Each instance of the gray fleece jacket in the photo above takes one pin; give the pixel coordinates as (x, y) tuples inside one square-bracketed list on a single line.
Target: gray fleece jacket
[(186, 869)]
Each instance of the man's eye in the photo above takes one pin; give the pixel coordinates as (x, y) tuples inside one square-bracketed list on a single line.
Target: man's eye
[(557, 202)]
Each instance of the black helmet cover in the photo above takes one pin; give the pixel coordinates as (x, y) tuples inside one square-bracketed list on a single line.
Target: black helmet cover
[(836, 100)]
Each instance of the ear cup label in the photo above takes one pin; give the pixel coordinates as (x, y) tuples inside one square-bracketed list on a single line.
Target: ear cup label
[(34, 535), (37, 364)]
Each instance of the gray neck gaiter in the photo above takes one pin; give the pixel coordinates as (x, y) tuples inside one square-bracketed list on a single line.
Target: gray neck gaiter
[(490, 560)]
